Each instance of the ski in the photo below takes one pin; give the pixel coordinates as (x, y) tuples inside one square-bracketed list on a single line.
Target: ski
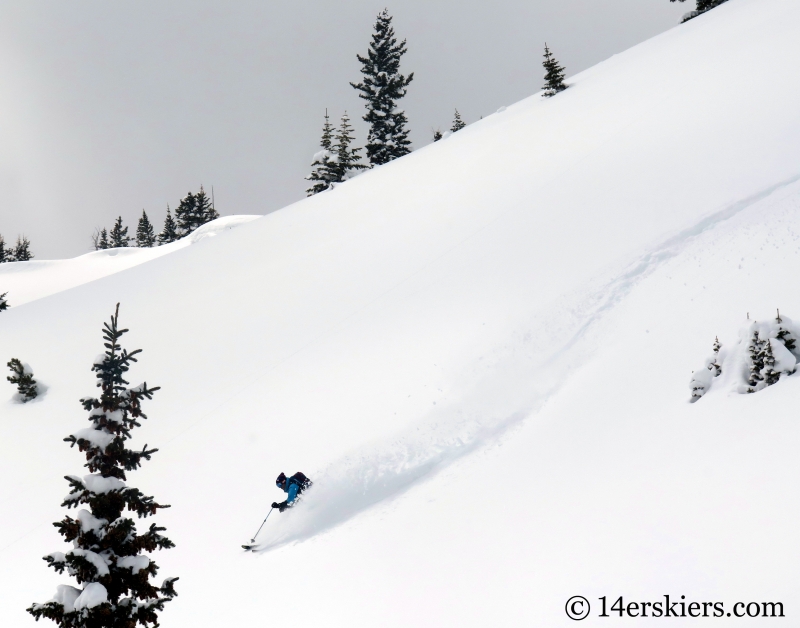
[(248, 547)]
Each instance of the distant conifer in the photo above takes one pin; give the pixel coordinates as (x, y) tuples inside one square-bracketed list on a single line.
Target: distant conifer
[(554, 75), (323, 172), (458, 123), (194, 211), (22, 250), (170, 231), (437, 135), (106, 553), (348, 161), (119, 235), (145, 234), (22, 376), (382, 86), (702, 7), (4, 252), (3, 302)]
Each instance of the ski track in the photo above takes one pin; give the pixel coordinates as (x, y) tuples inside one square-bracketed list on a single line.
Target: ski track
[(381, 472)]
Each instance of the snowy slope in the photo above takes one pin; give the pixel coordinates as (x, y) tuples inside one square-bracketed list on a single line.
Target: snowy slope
[(480, 352), (28, 281)]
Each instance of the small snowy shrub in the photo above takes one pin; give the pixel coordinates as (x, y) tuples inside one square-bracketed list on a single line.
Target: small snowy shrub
[(22, 376), (3, 302), (106, 554), (766, 352)]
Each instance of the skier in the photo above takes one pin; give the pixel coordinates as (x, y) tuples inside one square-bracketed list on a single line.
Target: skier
[(294, 486)]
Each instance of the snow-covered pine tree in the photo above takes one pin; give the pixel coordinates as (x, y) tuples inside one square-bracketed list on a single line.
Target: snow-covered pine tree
[(784, 335), (194, 211), (755, 352), (104, 242), (145, 234), (22, 250), (381, 88), (771, 376), (554, 75), (3, 302), (170, 231), (437, 135), (348, 161), (323, 172), (715, 365), (119, 235), (106, 556), (4, 252), (458, 123), (22, 376)]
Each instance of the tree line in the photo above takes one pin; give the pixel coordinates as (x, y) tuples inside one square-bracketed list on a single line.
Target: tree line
[(193, 211)]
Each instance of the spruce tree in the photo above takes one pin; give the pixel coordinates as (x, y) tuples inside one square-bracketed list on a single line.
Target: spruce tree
[(458, 123), (771, 376), (554, 75), (381, 87), (755, 352), (106, 549), (323, 172), (170, 231), (3, 302), (22, 250), (4, 252), (437, 135), (119, 235), (103, 243), (194, 211), (784, 335), (22, 376), (715, 365), (145, 234), (348, 160)]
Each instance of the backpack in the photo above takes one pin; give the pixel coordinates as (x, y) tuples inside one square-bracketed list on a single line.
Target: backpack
[(301, 480)]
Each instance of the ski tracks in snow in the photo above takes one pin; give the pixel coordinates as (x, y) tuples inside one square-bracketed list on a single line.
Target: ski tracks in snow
[(524, 373)]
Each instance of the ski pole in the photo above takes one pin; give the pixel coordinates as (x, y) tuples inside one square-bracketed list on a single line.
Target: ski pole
[(253, 540)]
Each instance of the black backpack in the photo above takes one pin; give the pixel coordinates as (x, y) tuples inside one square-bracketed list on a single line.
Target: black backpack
[(301, 480)]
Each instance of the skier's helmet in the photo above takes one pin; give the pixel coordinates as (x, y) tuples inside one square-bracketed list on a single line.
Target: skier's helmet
[(281, 480)]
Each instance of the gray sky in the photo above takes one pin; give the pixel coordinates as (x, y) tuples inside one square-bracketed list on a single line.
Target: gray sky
[(107, 108)]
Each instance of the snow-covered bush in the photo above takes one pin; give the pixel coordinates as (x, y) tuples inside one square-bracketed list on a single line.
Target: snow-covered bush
[(3, 302), (765, 352), (106, 554), (22, 376)]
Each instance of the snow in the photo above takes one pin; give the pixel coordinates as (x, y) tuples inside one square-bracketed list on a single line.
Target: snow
[(36, 279), (98, 438), (96, 560), (93, 595), (479, 353), (89, 522), (66, 595), (98, 484), (134, 563)]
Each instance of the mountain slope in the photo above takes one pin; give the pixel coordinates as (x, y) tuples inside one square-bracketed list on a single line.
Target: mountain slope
[(511, 314)]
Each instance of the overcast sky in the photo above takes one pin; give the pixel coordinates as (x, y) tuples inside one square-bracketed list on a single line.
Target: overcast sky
[(108, 108)]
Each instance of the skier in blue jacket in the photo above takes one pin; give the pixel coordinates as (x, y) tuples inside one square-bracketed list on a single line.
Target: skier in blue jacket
[(293, 486)]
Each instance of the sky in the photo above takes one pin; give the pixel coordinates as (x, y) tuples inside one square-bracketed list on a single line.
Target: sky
[(111, 108)]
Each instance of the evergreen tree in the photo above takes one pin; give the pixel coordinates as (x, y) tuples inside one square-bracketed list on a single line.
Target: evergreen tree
[(715, 365), (348, 161), (702, 7), (382, 86), (106, 549), (170, 231), (323, 172), (437, 135), (119, 235), (194, 211), (104, 243), (756, 358), (458, 123), (22, 376), (554, 75), (4, 252), (145, 234), (784, 335), (3, 302), (22, 250), (771, 376)]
